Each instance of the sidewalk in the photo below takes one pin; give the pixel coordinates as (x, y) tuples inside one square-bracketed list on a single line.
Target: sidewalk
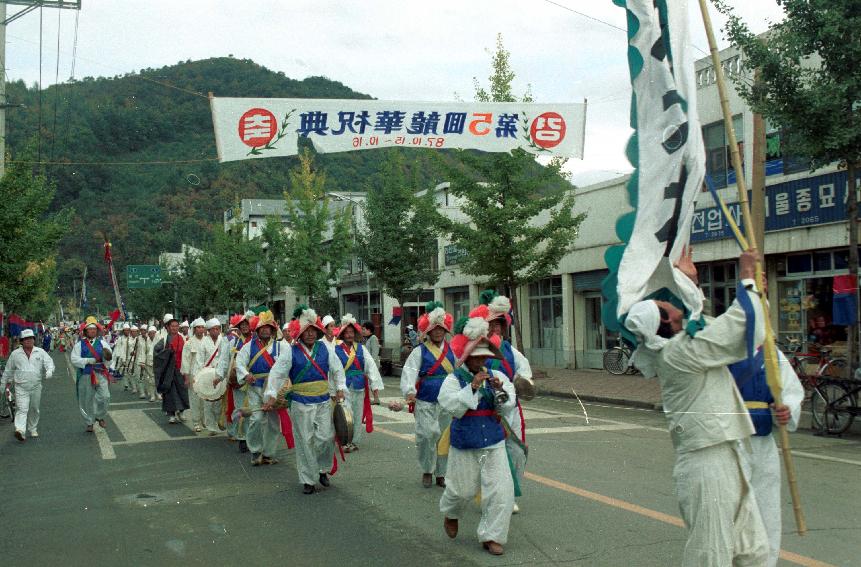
[(599, 386)]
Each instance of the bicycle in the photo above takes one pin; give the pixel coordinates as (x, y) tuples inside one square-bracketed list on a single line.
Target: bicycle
[(815, 370), (839, 405), (616, 360)]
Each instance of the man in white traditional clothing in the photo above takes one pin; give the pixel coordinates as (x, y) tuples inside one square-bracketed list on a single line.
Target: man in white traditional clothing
[(423, 373), (25, 368), (192, 363), (90, 355), (306, 373), (119, 355), (135, 352), (253, 365), (496, 310), (329, 334), (146, 365), (707, 419), (183, 331), (215, 353), (362, 377), (762, 465), (236, 392), (478, 399)]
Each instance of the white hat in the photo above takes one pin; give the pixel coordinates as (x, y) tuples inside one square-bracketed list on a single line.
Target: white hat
[(409, 326), (183, 324), (126, 326), (287, 324), (214, 322), (199, 322), (134, 328), (152, 329), (327, 320), (643, 320), (168, 317), (27, 334)]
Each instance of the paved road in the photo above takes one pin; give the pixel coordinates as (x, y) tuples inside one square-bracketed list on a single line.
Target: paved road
[(143, 492)]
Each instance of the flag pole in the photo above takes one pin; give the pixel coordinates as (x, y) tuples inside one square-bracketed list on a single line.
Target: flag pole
[(769, 347)]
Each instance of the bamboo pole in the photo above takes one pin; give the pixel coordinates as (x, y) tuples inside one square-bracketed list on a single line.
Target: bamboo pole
[(769, 347)]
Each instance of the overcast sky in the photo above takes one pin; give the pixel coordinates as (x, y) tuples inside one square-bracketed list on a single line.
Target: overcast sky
[(391, 50)]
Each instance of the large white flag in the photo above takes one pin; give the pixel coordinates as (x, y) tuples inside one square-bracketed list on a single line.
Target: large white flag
[(247, 128), (667, 153)]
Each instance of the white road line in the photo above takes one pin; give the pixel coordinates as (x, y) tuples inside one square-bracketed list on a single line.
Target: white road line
[(104, 444), (181, 438), (817, 457), (579, 429), (138, 427), (137, 403)]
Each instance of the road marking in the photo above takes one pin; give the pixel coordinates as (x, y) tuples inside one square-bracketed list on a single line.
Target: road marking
[(580, 428), (137, 403), (807, 455), (182, 438), (624, 505), (138, 427), (105, 444)]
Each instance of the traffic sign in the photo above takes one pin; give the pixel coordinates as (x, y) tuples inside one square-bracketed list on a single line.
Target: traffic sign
[(143, 277)]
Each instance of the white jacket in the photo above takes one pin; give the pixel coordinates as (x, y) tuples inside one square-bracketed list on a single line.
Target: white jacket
[(21, 369)]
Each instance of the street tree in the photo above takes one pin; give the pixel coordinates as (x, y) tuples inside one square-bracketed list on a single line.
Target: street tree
[(319, 239), (273, 243), (398, 242), (28, 267), (809, 86), (521, 219)]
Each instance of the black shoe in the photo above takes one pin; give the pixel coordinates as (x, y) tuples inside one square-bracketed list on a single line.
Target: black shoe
[(308, 489), (243, 447), (324, 480)]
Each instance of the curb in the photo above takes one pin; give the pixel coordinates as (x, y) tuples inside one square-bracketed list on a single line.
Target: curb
[(603, 400)]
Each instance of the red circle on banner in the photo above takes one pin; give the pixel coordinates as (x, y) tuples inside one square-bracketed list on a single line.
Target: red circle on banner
[(548, 130), (257, 127)]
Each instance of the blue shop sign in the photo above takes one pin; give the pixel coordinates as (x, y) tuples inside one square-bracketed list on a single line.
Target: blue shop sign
[(792, 204)]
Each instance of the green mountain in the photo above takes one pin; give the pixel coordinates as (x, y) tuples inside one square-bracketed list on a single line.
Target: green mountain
[(96, 131)]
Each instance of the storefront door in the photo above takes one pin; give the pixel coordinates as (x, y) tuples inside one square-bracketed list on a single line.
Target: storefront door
[(594, 334)]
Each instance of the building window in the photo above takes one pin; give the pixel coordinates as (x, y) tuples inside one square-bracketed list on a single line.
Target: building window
[(457, 302), (718, 282), (253, 224), (718, 160), (545, 313)]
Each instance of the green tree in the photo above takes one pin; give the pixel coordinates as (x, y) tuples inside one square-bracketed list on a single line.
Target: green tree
[(28, 267), (809, 86), (396, 242), (320, 239), (273, 242), (521, 219)]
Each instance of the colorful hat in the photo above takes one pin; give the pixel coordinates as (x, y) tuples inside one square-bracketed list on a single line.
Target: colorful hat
[(91, 322), (347, 320), (304, 317), (472, 340), (435, 316), (237, 319), (493, 306), (266, 318)]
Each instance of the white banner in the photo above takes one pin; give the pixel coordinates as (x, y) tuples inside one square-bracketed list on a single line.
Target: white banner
[(247, 128), (670, 157)]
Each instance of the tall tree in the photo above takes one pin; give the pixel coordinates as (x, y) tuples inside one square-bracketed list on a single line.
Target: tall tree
[(28, 266), (397, 241), (273, 242), (521, 213), (319, 241), (809, 86)]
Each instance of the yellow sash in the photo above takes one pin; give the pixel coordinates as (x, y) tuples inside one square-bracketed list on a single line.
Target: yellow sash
[(437, 353), (316, 388), (351, 356), (756, 405)]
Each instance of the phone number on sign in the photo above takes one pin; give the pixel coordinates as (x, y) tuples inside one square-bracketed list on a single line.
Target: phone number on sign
[(424, 141)]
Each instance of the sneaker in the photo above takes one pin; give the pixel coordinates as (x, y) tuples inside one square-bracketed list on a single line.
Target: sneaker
[(152, 398), (197, 429), (19, 435), (180, 416), (213, 433), (269, 460), (516, 509), (173, 419), (308, 489), (142, 397), (324, 480), (34, 434), (256, 459)]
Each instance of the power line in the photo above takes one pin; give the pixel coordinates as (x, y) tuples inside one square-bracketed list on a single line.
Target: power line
[(39, 131), (56, 85), (71, 85), (123, 163)]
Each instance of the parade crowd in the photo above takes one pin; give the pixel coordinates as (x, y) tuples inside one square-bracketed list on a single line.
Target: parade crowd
[(302, 384)]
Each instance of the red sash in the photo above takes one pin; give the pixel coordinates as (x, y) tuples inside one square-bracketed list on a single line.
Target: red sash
[(431, 370), (93, 380), (367, 412), (508, 369), (286, 427), (479, 413), (265, 354), (208, 362)]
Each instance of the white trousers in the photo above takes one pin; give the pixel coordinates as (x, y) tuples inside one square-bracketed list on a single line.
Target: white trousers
[(148, 382), (314, 435), (719, 509), (264, 427), (237, 427), (195, 407), (762, 467), (487, 470), (27, 398), (356, 398), (93, 400), (431, 421)]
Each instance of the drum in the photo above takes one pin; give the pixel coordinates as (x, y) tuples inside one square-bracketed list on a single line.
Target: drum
[(524, 388), (203, 385), (342, 418)]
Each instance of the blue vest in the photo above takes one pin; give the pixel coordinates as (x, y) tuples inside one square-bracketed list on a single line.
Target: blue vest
[(355, 376), (750, 379), (508, 355), (302, 371), (428, 390), (85, 353), (260, 369), (476, 431)]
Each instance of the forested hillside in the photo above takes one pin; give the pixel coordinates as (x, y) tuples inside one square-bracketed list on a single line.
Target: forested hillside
[(95, 132)]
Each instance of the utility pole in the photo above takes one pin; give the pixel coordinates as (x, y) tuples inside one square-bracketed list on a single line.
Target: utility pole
[(29, 6)]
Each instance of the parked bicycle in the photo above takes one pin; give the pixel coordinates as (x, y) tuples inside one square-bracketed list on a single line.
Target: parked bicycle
[(837, 403), (617, 360)]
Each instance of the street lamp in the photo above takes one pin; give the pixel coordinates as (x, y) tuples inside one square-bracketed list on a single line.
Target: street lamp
[(338, 197)]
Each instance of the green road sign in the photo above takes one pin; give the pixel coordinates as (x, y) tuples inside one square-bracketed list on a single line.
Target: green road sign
[(142, 277)]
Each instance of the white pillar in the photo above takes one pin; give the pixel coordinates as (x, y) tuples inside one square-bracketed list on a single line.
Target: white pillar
[(568, 320)]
